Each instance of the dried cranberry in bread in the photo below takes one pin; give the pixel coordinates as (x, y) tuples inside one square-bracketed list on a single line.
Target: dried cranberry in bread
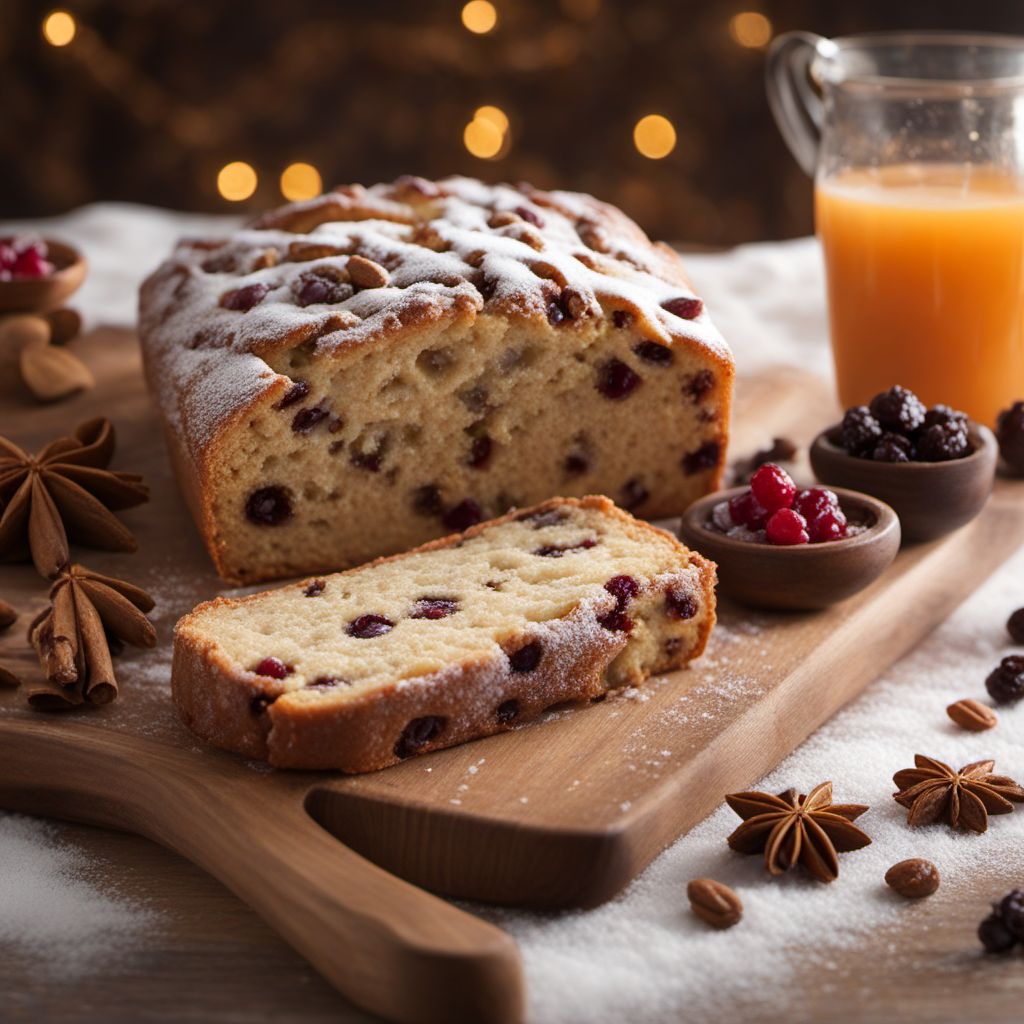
[(463, 637), (362, 372)]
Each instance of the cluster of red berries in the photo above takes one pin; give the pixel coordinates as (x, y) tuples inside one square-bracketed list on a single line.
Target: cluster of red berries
[(787, 516), (23, 257)]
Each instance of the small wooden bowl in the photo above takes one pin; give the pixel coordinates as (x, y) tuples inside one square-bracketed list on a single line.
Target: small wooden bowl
[(39, 294), (931, 498), (802, 577)]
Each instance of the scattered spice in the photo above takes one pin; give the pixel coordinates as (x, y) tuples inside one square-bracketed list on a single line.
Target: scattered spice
[(65, 490), (791, 829), (88, 613), (1005, 683), (933, 791), (714, 902), (913, 878), (972, 715)]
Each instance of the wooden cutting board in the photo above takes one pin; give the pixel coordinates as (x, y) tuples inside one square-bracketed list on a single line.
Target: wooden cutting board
[(562, 813)]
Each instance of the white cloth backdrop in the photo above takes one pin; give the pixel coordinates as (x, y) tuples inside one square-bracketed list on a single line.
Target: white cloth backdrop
[(642, 957)]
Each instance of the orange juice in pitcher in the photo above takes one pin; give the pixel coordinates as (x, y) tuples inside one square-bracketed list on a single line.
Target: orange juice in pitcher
[(916, 144), (925, 269)]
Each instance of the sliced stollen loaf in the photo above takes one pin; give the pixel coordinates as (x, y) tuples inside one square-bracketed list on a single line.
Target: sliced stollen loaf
[(463, 637), (357, 374)]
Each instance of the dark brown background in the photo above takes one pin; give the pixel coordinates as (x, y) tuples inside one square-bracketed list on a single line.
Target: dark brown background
[(154, 96)]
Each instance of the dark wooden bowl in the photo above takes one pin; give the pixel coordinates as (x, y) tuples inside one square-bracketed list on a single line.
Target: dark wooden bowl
[(931, 498), (39, 294), (802, 577)]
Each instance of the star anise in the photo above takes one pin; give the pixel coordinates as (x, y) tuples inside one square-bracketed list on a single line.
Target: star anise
[(933, 791), (73, 637), (64, 491), (795, 829)]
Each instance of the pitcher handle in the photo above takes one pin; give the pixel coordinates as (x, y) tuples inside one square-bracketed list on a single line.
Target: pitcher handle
[(797, 107)]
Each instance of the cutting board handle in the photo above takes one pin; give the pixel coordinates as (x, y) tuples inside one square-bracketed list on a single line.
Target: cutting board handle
[(390, 947)]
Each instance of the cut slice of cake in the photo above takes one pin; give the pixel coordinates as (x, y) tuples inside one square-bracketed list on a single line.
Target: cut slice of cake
[(463, 637), (360, 373)]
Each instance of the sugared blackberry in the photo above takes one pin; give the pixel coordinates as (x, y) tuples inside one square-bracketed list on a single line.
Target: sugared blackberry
[(860, 431), (943, 442), (1015, 626), (994, 935), (1005, 684), (942, 414), (893, 448), (898, 410), (1011, 909), (1010, 432)]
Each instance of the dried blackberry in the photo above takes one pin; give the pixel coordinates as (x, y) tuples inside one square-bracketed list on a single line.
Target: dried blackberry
[(943, 442), (1010, 432), (893, 448), (860, 431), (1005, 684), (1011, 909), (994, 935), (1015, 626), (898, 410)]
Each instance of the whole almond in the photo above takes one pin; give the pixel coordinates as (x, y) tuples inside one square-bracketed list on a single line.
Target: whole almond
[(365, 273), (913, 878), (714, 902), (972, 715), (8, 616)]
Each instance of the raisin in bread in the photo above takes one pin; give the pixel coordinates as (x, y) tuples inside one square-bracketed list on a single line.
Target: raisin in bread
[(357, 374), (463, 637)]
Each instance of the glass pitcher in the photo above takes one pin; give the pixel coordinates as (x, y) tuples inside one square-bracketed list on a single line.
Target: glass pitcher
[(916, 145)]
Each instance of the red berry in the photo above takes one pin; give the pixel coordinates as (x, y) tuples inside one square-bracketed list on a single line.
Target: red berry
[(787, 527), (773, 487), (275, 668), (747, 511), (815, 501), (830, 525), (30, 263)]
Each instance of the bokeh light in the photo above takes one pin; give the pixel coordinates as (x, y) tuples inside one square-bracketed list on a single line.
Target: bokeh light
[(59, 28), (479, 16), (654, 136), (236, 181), (750, 29), (495, 115), (483, 138), (301, 181)]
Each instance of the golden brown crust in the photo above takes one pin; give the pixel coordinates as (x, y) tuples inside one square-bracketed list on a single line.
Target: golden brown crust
[(237, 711)]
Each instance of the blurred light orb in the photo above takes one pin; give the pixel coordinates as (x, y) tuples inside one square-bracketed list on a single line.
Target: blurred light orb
[(750, 29), (483, 138), (236, 181), (301, 181), (495, 115), (59, 28), (479, 16), (654, 136)]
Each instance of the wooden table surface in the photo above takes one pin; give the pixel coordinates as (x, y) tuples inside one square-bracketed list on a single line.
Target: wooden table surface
[(211, 959)]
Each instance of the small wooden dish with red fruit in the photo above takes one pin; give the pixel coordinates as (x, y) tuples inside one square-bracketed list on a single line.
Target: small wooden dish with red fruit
[(779, 547), (40, 278)]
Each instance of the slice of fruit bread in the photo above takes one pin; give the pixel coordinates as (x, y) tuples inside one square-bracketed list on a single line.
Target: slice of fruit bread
[(460, 638)]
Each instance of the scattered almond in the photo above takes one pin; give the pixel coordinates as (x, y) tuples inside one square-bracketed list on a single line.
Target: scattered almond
[(65, 324), (8, 616), (367, 274), (8, 678), (714, 902), (972, 715), (53, 373), (913, 878)]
